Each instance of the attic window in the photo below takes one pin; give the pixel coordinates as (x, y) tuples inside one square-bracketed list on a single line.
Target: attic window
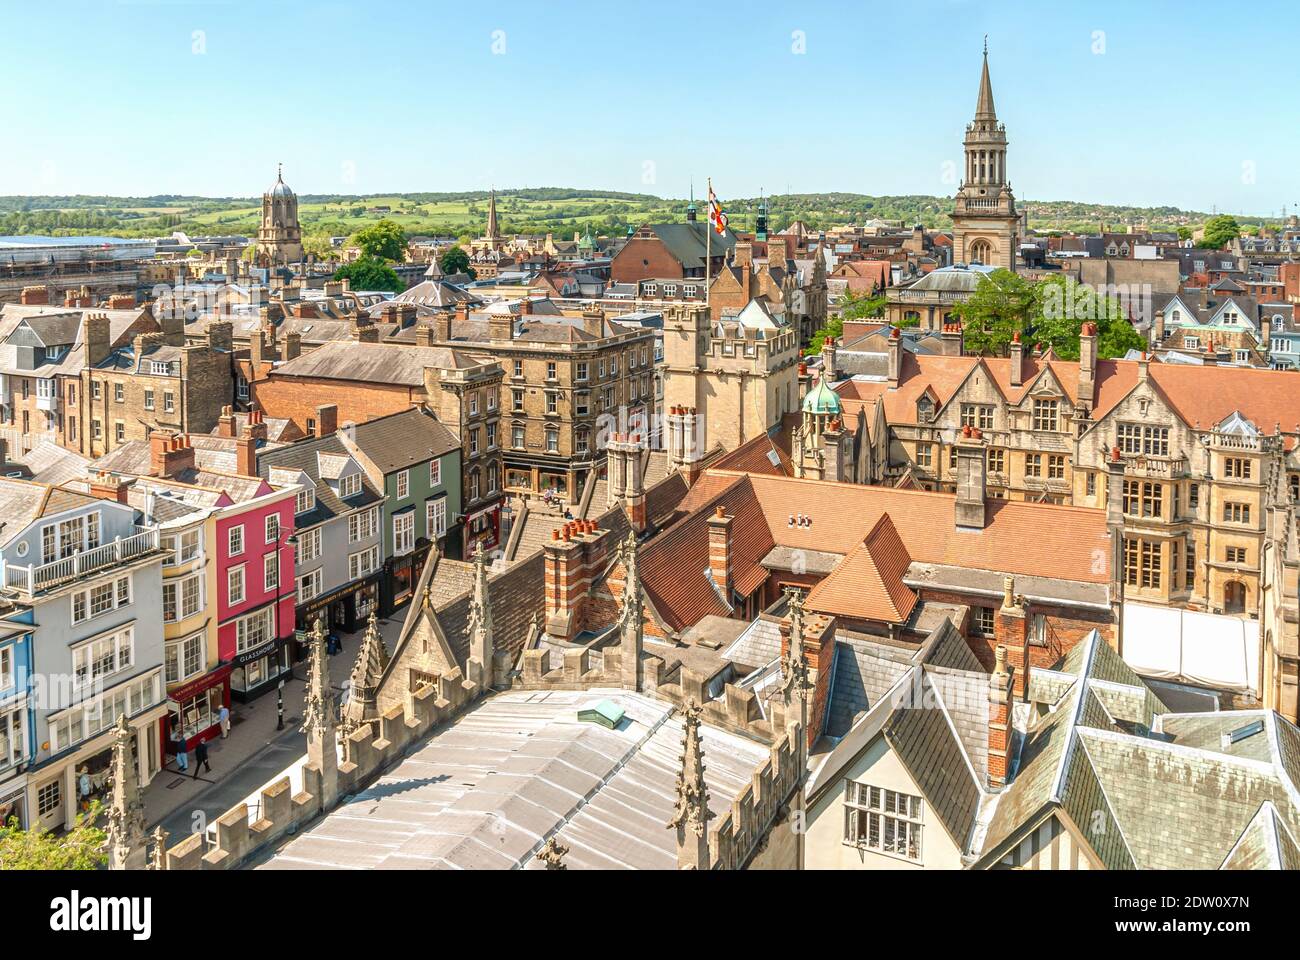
[(1243, 733)]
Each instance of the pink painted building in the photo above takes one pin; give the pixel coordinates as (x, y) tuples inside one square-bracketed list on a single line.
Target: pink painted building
[(254, 588)]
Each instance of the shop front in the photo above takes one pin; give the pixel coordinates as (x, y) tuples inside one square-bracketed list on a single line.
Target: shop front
[(483, 527), (402, 574), (194, 709), (258, 670), (13, 801), (344, 610)]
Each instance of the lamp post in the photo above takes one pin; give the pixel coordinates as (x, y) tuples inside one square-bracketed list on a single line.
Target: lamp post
[(290, 541), (279, 705)]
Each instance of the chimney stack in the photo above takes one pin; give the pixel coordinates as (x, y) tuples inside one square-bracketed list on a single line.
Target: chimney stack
[(1087, 365), (971, 479), (1000, 732), (829, 372), (170, 454), (573, 554), (246, 453), (720, 552), (1017, 360), (105, 486), (327, 419), (950, 340), (226, 422), (593, 320), (1159, 328), (895, 355), (34, 296), (95, 338)]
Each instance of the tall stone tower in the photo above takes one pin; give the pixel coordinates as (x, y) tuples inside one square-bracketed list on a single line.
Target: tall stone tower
[(279, 239), (985, 225), (724, 382)]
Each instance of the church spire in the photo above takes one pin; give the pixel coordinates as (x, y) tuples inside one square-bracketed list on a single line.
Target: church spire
[(363, 683), (984, 109), (492, 230), (320, 719)]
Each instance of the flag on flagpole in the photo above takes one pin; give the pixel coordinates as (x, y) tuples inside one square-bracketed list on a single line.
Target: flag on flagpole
[(716, 216)]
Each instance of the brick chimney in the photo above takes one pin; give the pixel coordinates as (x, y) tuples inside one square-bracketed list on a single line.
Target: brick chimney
[(501, 326), (292, 345), (895, 355), (221, 336), (170, 454), (121, 301), (327, 419), (819, 649), (1159, 328), (1011, 631), (720, 551), (1017, 360), (1087, 365), (226, 422), (950, 340), (256, 424), (573, 555), (105, 486), (364, 329), (776, 252), (1000, 685), (34, 296), (246, 453)]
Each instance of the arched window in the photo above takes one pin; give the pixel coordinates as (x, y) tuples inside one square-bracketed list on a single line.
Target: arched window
[(981, 251)]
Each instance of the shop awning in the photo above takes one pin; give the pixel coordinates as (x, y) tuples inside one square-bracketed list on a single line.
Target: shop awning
[(1207, 649)]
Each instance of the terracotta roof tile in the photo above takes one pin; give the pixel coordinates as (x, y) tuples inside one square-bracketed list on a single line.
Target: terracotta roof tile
[(868, 583)]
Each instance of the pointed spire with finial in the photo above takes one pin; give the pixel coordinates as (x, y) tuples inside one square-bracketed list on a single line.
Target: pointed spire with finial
[(126, 830), (631, 627), (363, 682), (492, 230), (158, 852), (320, 718), (984, 109), (482, 647), (691, 815)]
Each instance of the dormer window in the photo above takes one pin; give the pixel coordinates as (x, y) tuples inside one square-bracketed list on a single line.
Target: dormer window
[(350, 485)]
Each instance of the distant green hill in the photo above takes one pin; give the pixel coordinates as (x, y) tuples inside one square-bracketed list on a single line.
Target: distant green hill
[(559, 210)]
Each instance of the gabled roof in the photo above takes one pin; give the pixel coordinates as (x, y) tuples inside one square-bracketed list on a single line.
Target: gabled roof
[(868, 583), (402, 440)]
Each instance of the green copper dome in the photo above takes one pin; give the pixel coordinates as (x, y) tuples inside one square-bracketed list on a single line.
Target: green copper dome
[(822, 399)]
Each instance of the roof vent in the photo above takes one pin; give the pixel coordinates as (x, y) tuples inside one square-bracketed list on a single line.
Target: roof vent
[(1243, 733)]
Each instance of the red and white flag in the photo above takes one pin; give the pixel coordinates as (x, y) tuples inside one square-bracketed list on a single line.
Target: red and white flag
[(716, 216)]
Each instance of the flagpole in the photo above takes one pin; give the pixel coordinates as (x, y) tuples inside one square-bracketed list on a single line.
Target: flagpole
[(708, 250)]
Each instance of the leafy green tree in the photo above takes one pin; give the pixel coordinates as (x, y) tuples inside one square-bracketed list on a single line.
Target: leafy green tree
[(455, 260), (851, 307), (1001, 306), (1062, 306), (82, 848), (319, 246), (370, 273), (384, 240), (1219, 231), (1184, 233)]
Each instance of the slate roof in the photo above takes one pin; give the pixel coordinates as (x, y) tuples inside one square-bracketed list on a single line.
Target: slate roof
[(686, 242), (401, 440), (23, 501), (1145, 787), (373, 362), (304, 456)]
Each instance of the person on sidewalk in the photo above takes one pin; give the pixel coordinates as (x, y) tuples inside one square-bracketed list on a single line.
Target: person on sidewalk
[(224, 718), (182, 755), (201, 758)]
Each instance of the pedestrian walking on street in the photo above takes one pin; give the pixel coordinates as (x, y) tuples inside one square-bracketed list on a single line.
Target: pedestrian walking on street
[(224, 717), (182, 756), (201, 758)]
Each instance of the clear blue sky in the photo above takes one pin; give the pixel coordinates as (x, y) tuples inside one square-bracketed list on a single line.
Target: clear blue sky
[(1185, 104)]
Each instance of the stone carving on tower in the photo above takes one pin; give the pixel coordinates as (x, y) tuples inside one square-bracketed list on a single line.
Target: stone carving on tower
[(126, 830), (482, 648), (631, 626), (363, 684), (552, 854), (691, 815), (985, 225), (279, 238), (795, 684), (320, 719)]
